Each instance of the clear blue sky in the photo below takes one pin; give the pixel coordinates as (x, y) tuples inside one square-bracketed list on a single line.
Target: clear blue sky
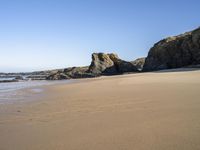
[(47, 34)]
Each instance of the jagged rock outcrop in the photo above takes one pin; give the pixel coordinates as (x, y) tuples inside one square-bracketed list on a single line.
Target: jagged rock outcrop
[(109, 64), (101, 63), (139, 63), (174, 52), (71, 73), (78, 72), (58, 76), (121, 65)]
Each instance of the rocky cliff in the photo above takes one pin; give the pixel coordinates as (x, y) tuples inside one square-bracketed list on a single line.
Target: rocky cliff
[(174, 52)]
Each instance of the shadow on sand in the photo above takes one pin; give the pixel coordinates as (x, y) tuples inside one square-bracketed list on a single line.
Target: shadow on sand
[(192, 68)]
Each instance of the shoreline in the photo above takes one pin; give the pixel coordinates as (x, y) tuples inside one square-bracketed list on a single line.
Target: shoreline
[(134, 111)]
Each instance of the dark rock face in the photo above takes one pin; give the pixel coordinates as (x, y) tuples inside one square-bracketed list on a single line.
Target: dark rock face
[(70, 73), (5, 81), (101, 63), (109, 64), (121, 65), (78, 72), (58, 76), (174, 52), (139, 63)]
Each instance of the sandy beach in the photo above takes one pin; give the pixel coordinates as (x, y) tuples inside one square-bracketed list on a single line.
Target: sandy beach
[(145, 111)]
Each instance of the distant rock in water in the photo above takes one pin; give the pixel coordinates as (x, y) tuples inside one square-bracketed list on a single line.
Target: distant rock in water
[(109, 64), (8, 80), (139, 63), (174, 52), (19, 78)]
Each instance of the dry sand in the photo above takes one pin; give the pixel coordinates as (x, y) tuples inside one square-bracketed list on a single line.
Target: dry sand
[(148, 111)]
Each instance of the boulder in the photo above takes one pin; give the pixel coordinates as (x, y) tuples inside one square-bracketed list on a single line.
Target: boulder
[(174, 52), (109, 64), (101, 63)]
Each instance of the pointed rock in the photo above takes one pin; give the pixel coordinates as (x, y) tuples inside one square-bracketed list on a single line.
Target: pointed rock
[(109, 64)]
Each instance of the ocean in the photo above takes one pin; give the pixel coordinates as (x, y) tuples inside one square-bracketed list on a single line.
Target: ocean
[(12, 91)]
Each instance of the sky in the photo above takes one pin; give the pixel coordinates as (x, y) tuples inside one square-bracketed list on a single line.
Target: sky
[(49, 34)]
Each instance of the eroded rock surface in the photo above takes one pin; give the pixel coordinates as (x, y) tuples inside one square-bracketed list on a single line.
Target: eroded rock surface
[(109, 64), (174, 52), (139, 63)]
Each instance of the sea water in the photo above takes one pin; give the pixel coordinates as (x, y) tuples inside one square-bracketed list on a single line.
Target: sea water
[(12, 91)]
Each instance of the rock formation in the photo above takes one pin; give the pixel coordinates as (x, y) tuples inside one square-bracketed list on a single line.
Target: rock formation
[(109, 64), (174, 52), (78, 72), (102, 64), (121, 65), (139, 63), (70, 73), (58, 76)]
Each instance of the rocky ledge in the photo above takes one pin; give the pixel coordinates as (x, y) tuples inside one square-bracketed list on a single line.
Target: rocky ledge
[(71, 73), (174, 52)]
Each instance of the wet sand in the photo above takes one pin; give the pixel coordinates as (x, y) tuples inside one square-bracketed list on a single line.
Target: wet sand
[(147, 111)]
